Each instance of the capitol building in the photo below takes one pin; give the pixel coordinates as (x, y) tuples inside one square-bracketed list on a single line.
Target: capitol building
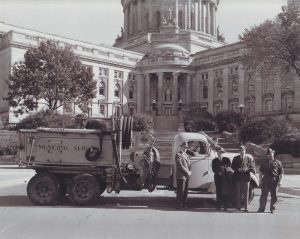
[(169, 54)]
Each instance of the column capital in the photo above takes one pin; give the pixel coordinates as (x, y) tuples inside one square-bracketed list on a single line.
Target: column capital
[(160, 74)]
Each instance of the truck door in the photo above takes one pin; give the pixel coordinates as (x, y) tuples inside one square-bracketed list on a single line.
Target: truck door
[(199, 164)]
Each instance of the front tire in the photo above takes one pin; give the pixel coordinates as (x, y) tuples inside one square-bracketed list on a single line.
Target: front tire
[(43, 189)]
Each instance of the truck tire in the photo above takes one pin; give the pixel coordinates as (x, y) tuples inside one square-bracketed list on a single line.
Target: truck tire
[(83, 189), (43, 189)]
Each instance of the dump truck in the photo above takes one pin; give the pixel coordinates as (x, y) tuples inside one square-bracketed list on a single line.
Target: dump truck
[(82, 163)]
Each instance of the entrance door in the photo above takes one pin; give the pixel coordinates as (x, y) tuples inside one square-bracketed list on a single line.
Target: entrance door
[(167, 111)]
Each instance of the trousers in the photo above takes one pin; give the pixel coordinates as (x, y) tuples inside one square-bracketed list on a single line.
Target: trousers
[(269, 184), (242, 194), (182, 192)]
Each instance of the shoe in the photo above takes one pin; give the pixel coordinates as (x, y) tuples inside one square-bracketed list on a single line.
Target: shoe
[(225, 208), (260, 211), (246, 210), (272, 211), (218, 208)]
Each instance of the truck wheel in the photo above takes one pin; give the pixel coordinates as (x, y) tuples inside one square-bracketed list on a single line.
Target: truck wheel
[(43, 189), (83, 189)]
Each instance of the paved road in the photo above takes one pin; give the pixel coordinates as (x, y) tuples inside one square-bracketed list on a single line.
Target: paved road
[(137, 215)]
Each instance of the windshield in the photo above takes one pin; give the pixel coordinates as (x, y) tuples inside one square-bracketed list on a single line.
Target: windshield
[(198, 147)]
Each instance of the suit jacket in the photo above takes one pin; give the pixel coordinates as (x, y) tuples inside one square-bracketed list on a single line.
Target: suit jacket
[(182, 165), (219, 166), (246, 166)]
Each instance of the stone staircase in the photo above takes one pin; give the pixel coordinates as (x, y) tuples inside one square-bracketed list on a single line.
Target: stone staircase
[(166, 123)]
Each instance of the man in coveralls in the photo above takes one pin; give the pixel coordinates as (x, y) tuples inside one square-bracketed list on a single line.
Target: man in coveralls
[(242, 165), (219, 165), (183, 172), (271, 172)]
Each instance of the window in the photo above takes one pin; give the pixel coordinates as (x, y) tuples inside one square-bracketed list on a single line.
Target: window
[(197, 147), (117, 111), (269, 105), (180, 19), (103, 71), (250, 108), (117, 90), (205, 92), (118, 74), (158, 20), (102, 109), (102, 89), (131, 94)]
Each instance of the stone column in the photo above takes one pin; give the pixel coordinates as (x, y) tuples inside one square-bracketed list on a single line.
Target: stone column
[(200, 14), (175, 92), (215, 20), (241, 85), (203, 21), (125, 20), (130, 25), (195, 16), (185, 16), (140, 93), (139, 16), (151, 25), (147, 93), (160, 93), (176, 13), (188, 88), (225, 89), (189, 23), (208, 17)]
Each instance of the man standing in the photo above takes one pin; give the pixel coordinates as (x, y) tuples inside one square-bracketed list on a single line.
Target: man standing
[(242, 165), (183, 172), (271, 172), (219, 166)]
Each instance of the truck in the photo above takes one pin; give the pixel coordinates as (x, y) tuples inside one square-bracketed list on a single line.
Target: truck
[(82, 163)]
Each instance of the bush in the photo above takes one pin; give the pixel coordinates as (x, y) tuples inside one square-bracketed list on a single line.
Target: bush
[(141, 122), (262, 130), (229, 121), (8, 143), (49, 119), (288, 144), (198, 119)]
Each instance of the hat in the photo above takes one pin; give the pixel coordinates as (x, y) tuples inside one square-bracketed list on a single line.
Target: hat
[(270, 151), (184, 144)]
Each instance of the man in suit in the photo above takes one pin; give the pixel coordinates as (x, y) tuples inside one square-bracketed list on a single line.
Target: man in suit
[(219, 166), (183, 172), (242, 165)]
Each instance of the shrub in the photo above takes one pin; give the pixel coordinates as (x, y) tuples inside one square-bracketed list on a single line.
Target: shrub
[(197, 119), (141, 122), (288, 144), (47, 118), (8, 143), (262, 130), (229, 121)]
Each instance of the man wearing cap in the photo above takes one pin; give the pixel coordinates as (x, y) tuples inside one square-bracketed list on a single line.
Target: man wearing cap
[(183, 172), (242, 165), (271, 171), (219, 166)]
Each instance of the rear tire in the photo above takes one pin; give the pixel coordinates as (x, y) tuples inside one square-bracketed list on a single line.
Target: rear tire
[(83, 189), (43, 189)]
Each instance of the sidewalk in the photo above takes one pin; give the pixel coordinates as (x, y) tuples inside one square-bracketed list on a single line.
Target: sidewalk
[(290, 184)]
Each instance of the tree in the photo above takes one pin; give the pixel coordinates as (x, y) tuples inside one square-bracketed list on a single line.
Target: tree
[(275, 44), (229, 121), (50, 73)]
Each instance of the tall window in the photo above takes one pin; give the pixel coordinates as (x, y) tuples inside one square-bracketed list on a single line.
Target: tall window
[(118, 74), (117, 90), (131, 94), (102, 109), (205, 92), (147, 21), (269, 105), (158, 20), (103, 71), (102, 89)]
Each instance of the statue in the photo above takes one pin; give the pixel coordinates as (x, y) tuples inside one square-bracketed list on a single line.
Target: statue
[(168, 18), (168, 92), (122, 32), (220, 36)]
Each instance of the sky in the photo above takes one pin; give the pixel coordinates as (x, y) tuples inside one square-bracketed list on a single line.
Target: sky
[(100, 21)]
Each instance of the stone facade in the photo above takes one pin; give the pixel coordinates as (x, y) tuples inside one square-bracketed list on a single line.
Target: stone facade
[(180, 61)]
